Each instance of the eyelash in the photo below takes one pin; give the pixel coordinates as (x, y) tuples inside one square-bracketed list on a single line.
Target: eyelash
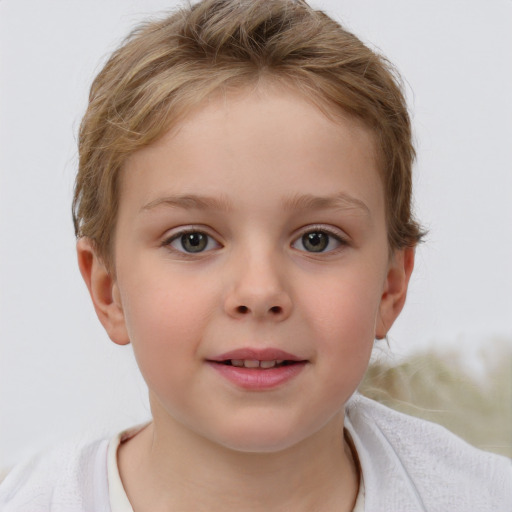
[(179, 237), (331, 234)]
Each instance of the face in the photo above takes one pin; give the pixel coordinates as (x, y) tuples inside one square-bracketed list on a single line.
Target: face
[(252, 268)]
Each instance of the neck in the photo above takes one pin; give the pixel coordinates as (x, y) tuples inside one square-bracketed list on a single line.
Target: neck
[(173, 469)]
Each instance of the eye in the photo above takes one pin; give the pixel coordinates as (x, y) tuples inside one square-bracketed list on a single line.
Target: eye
[(192, 242), (318, 240)]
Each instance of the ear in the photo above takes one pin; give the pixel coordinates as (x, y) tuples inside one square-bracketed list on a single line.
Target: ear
[(394, 293), (103, 290)]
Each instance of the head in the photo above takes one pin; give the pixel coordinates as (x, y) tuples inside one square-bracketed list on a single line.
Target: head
[(244, 194), (166, 68)]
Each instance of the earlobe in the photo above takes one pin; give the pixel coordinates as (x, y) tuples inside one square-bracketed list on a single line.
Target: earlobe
[(103, 290), (395, 290)]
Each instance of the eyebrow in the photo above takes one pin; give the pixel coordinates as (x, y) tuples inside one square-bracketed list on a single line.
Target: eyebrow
[(190, 202), (341, 201)]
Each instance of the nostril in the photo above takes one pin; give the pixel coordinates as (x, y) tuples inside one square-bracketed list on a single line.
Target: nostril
[(276, 311)]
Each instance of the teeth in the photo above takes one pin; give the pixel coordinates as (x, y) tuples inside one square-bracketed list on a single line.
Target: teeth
[(254, 363)]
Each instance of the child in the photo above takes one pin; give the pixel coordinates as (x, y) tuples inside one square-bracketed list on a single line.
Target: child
[(243, 213)]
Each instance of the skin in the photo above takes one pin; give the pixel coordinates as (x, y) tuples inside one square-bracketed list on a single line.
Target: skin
[(255, 158)]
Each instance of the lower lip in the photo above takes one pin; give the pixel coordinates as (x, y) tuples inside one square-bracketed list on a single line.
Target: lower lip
[(256, 378)]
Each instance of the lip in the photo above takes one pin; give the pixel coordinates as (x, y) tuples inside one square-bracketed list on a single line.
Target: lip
[(261, 354), (258, 379)]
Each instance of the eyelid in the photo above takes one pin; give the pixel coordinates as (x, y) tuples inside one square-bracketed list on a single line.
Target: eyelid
[(336, 233), (178, 232), (324, 228)]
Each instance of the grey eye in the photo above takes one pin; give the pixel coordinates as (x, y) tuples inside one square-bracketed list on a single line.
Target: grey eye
[(318, 241), (193, 242), (315, 241)]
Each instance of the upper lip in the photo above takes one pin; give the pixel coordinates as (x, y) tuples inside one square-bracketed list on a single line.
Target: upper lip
[(257, 354)]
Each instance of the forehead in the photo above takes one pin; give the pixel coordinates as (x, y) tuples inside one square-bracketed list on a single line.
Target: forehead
[(259, 139)]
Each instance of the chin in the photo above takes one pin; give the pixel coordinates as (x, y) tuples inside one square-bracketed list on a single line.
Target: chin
[(260, 438)]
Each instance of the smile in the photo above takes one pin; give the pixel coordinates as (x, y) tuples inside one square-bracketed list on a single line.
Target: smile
[(258, 369), (256, 357), (255, 363)]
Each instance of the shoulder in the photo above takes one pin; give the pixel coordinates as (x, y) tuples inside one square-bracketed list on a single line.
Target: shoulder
[(422, 466), (69, 478)]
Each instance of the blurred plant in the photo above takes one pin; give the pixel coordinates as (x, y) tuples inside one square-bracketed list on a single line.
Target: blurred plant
[(437, 387)]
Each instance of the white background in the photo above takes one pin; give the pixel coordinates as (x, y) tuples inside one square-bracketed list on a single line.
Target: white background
[(59, 373)]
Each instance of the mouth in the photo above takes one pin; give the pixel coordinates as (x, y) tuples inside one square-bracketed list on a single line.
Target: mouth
[(261, 358), (258, 369), (258, 364)]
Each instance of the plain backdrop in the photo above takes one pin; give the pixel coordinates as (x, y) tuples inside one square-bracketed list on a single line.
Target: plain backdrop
[(59, 373)]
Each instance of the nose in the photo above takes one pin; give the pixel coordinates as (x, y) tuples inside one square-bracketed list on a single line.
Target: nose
[(257, 290)]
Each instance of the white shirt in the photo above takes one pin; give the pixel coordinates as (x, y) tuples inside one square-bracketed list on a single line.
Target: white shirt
[(117, 495), (407, 465)]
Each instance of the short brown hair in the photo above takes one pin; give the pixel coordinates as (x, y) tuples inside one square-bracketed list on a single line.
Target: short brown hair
[(166, 67)]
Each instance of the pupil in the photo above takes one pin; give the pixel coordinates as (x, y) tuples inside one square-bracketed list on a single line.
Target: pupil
[(315, 242), (194, 242)]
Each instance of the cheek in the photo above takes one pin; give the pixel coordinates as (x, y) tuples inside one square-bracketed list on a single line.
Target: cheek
[(166, 322), (342, 316), (344, 310)]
